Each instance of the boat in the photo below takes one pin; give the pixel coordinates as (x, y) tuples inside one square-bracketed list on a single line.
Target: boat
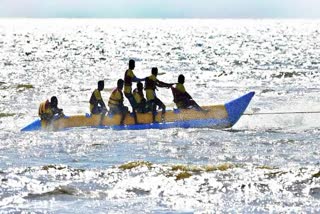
[(215, 116)]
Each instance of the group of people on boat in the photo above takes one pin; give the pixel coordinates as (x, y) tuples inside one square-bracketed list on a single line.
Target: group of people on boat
[(49, 111)]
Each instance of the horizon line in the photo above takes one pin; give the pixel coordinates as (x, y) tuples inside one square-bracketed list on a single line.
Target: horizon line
[(203, 18)]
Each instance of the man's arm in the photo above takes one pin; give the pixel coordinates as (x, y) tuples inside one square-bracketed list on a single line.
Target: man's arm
[(136, 79), (57, 111), (188, 95), (163, 84)]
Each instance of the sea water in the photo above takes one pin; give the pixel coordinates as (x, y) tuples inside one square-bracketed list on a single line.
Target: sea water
[(265, 163)]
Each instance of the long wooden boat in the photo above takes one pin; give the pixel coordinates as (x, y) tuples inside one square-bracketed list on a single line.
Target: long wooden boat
[(216, 116)]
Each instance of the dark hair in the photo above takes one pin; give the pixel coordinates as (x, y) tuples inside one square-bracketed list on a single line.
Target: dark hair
[(131, 64), (100, 85), (154, 71), (181, 79), (120, 83), (54, 101), (139, 85)]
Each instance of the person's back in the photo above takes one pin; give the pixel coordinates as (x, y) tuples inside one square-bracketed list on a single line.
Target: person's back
[(44, 111), (180, 95), (97, 105), (116, 99), (49, 111), (182, 98), (139, 98), (116, 102), (150, 86), (57, 112)]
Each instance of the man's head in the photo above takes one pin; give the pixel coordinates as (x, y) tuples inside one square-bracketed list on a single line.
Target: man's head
[(140, 86), (154, 71), (181, 79), (100, 85), (132, 64), (120, 84), (54, 101)]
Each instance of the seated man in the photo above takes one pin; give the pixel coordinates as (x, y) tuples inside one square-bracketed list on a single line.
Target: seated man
[(49, 111), (116, 102), (182, 98), (151, 84), (141, 104), (97, 106)]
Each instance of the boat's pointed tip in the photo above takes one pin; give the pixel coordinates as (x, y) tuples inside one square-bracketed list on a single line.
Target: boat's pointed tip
[(251, 93), (236, 107), (248, 96)]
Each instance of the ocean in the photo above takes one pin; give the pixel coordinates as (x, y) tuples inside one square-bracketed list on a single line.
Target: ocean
[(264, 164)]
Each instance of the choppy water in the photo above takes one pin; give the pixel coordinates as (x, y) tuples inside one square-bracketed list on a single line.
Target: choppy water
[(266, 163)]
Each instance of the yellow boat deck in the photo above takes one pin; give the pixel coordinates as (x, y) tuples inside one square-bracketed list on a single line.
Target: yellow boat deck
[(213, 112)]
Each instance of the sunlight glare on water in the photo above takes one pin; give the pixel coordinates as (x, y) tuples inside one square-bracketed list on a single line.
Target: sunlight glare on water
[(265, 163)]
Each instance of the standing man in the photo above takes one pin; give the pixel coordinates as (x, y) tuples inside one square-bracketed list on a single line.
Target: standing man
[(129, 77), (150, 86)]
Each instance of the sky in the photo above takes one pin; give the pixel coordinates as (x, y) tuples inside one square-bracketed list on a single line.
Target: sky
[(160, 8)]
